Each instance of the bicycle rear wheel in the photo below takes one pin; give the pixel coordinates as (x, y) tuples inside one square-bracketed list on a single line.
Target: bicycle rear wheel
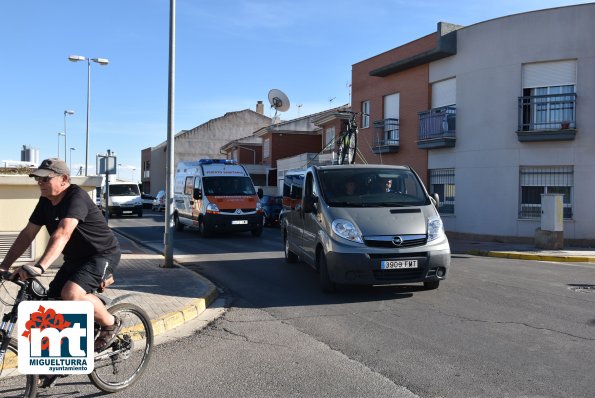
[(122, 364), (13, 383), (351, 147)]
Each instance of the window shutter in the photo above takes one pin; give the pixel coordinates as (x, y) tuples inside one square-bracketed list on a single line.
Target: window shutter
[(547, 74), (444, 93)]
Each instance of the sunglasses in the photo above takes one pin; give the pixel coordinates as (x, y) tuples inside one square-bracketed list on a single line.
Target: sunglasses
[(43, 179)]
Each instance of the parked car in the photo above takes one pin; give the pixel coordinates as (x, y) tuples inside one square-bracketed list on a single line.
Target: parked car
[(147, 200), (159, 201), (272, 206)]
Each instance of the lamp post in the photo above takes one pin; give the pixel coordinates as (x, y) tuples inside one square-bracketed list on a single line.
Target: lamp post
[(59, 135), (119, 164), (133, 170), (100, 61), (71, 149), (66, 113)]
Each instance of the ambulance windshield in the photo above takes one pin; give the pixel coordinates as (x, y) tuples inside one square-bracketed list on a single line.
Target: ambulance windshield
[(228, 186)]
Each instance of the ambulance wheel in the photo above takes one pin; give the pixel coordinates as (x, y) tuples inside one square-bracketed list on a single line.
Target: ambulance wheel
[(202, 230)]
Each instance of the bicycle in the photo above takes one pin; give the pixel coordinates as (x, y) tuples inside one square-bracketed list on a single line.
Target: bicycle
[(116, 368), (347, 142)]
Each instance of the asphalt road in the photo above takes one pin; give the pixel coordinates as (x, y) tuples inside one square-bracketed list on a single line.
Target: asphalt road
[(495, 328)]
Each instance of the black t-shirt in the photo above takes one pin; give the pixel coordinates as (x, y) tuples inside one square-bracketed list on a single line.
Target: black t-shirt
[(91, 236)]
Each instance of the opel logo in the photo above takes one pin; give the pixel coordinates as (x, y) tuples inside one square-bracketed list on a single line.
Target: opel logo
[(397, 241)]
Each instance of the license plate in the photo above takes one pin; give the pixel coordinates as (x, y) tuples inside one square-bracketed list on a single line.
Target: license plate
[(239, 222), (398, 264), (127, 212)]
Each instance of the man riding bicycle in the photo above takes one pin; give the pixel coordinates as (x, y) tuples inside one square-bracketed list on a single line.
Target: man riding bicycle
[(77, 230)]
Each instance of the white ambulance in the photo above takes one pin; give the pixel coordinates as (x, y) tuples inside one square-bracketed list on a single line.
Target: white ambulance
[(216, 195)]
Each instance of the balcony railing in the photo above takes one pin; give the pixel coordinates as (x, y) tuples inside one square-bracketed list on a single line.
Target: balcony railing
[(437, 127), (547, 117), (387, 136)]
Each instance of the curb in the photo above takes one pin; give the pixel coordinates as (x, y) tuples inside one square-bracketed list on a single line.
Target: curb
[(185, 314), (536, 257)]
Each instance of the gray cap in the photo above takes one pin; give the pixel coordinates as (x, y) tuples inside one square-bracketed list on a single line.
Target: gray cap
[(49, 167)]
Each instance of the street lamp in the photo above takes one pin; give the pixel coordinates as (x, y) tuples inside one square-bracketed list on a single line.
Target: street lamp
[(100, 61), (66, 113), (70, 167), (119, 165), (59, 135), (133, 170)]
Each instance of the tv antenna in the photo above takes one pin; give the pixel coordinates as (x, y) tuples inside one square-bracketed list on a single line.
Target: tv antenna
[(279, 101)]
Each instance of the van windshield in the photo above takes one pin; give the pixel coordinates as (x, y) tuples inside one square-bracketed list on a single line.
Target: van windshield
[(228, 186), (369, 187), (124, 190)]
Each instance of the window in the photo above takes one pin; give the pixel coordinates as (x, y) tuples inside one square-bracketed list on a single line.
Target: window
[(329, 139), (442, 182), (188, 185), (391, 117), (365, 114), (266, 148), (537, 180), (548, 101)]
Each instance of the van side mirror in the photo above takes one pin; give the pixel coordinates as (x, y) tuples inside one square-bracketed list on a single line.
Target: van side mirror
[(260, 193), (309, 204), (197, 194), (435, 199)]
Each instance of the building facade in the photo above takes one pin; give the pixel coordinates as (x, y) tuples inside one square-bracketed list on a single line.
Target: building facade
[(523, 89)]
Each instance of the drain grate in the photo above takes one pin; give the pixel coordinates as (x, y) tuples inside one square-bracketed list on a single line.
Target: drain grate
[(582, 288)]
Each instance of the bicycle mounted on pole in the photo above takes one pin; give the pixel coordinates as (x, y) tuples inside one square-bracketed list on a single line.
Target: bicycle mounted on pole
[(116, 368), (347, 142)]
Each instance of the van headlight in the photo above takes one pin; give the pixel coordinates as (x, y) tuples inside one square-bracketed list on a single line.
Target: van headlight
[(346, 230), (435, 228), (212, 208)]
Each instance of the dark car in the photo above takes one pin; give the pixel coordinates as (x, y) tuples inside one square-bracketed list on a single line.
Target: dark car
[(271, 205)]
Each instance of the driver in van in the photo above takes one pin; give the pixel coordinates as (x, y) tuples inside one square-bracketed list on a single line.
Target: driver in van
[(77, 230)]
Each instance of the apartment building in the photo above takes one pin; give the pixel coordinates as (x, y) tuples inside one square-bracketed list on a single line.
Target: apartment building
[(493, 116)]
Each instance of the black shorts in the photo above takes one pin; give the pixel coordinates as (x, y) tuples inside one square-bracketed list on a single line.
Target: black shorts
[(88, 273)]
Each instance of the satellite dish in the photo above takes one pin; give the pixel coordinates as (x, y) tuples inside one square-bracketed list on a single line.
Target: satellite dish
[(278, 100)]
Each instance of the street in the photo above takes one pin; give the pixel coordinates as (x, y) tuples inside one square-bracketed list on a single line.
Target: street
[(496, 327)]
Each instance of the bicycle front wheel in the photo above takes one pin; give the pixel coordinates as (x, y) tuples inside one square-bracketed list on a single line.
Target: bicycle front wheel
[(122, 364), (14, 384), (342, 150), (351, 147)]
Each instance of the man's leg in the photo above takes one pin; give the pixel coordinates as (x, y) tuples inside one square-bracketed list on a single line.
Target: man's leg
[(72, 291)]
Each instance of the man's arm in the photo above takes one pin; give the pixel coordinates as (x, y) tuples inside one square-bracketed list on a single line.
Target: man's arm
[(20, 244), (58, 240)]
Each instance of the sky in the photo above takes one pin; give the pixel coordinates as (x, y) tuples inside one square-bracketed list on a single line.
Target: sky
[(229, 55)]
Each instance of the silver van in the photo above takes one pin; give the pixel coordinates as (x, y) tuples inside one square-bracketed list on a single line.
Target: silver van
[(364, 225)]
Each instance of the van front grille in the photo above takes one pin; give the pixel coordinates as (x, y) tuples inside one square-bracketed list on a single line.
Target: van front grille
[(232, 211), (391, 241)]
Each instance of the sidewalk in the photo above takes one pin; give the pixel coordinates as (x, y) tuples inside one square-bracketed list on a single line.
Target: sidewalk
[(173, 296)]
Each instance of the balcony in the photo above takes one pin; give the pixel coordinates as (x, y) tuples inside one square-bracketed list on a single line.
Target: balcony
[(437, 128), (547, 118), (387, 136)]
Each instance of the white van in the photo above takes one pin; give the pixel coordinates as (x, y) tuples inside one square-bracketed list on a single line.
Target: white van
[(216, 195), (364, 225), (124, 199)]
